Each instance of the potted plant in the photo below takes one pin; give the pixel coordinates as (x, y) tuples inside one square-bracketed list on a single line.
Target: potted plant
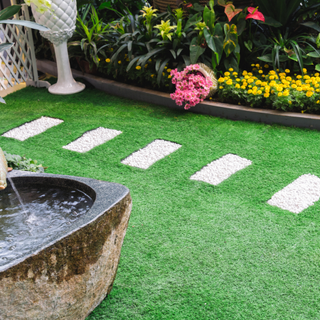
[(193, 84)]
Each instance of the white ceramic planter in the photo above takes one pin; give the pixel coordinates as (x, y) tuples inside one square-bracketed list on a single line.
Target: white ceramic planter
[(60, 19)]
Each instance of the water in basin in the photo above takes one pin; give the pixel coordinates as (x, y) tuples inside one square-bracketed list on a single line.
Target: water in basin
[(47, 210)]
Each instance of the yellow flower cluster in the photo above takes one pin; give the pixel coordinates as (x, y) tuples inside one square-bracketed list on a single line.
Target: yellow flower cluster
[(272, 84)]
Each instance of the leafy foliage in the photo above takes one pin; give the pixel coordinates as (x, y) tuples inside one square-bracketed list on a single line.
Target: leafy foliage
[(22, 163), (286, 40), (90, 34)]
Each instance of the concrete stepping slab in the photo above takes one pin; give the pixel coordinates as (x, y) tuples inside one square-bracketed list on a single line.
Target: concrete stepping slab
[(298, 195), (33, 128), (150, 154), (219, 170), (91, 139)]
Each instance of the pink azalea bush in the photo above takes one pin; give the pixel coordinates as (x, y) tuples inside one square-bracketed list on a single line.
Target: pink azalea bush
[(192, 86)]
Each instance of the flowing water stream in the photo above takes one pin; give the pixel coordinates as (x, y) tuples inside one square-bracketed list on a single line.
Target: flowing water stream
[(36, 212)]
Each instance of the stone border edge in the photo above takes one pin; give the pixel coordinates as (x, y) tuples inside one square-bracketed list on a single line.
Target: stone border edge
[(217, 109)]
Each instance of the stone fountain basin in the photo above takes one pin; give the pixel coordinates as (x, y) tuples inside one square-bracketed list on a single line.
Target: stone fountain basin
[(69, 274)]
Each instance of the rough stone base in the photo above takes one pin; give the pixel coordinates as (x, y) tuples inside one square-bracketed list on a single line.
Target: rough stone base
[(69, 279)]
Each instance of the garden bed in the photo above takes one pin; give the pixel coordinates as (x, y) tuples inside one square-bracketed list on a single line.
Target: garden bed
[(217, 109)]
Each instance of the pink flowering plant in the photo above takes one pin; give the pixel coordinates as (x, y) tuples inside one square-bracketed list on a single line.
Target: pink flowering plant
[(192, 87)]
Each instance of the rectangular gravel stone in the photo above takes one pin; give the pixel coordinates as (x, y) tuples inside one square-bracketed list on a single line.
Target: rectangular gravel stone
[(91, 139), (32, 128), (150, 154), (298, 195), (219, 170)]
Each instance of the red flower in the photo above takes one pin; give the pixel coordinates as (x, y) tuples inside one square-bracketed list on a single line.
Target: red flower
[(188, 5), (255, 14)]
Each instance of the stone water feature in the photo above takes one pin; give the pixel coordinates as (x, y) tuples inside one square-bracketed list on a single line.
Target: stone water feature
[(66, 273)]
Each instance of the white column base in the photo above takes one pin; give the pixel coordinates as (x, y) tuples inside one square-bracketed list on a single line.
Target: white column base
[(65, 84)]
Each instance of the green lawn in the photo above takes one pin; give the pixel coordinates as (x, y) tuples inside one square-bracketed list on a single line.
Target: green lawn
[(192, 250)]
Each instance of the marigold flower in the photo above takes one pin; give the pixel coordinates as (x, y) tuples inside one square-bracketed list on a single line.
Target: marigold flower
[(138, 67), (287, 71), (279, 94), (119, 62), (108, 60), (309, 94), (266, 95)]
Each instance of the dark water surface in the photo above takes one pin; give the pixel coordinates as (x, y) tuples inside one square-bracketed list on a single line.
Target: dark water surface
[(47, 210)]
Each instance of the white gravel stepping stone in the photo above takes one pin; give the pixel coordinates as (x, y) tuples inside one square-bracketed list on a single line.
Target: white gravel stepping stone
[(298, 195), (32, 128), (91, 139), (219, 170), (150, 154)]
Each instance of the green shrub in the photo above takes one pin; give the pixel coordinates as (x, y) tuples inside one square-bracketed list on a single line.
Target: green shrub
[(22, 163)]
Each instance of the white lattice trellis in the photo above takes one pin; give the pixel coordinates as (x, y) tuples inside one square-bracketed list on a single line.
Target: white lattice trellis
[(18, 64)]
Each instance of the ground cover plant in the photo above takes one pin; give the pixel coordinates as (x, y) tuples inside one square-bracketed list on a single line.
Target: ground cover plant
[(192, 250)]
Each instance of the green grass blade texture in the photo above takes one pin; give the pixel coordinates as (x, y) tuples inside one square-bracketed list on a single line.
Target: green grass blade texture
[(192, 250)]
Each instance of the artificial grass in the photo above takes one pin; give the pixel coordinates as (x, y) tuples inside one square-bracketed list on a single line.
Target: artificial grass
[(192, 250)]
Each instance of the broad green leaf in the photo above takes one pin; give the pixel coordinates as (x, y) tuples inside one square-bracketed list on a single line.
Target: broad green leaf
[(173, 54), (317, 67), (186, 59), (192, 21), (231, 62), (147, 56), (209, 40), (115, 55), (132, 62), (9, 12), (209, 18), (28, 24), (218, 40), (179, 51), (312, 25), (241, 26), (314, 54), (248, 45), (161, 70), (195, 51), (236, 52), (280, 10), (272, 22), (266, 58)]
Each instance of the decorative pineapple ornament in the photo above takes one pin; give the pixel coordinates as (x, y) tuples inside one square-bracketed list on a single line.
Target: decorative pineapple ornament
[(61, 20)]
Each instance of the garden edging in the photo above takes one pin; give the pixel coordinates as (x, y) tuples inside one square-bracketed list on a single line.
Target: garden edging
[(216, 109)]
